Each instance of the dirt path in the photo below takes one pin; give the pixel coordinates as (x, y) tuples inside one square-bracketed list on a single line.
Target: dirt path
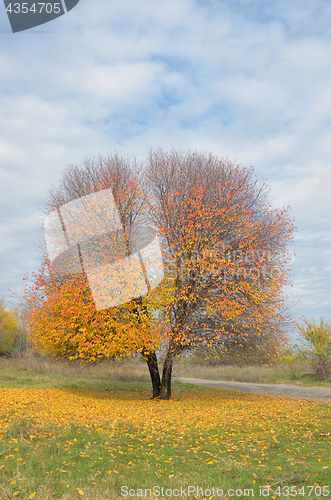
[(287, 390)]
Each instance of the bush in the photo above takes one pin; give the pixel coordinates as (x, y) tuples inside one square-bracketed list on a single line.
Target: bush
[(291, 358), (316, 346), (9, 329), (19, 346)]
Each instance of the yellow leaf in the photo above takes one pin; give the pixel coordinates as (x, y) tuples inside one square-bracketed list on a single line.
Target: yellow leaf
[(171, 475), (32, 495), (13, 482)]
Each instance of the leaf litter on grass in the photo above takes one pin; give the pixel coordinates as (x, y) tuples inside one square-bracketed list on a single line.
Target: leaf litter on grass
[(124, 437)]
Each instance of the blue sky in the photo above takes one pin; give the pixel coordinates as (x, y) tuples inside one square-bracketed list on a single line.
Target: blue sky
[(245, 79)]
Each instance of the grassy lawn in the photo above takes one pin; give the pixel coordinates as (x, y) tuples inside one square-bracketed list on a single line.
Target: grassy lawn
[(80, 432)]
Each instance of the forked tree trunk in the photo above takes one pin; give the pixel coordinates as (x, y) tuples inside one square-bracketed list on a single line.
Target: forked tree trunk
[(151, 361), (161, 388), (165, 391)]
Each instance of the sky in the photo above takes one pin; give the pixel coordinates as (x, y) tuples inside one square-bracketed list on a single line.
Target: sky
[(247, 80)]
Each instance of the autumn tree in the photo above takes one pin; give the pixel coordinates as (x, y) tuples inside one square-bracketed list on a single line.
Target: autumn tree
[(224, 256)]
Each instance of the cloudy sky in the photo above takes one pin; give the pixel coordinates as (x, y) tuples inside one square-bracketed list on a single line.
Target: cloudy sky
[(245, 79)]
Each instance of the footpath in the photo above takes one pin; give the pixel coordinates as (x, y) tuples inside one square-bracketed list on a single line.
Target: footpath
[(286, 390)]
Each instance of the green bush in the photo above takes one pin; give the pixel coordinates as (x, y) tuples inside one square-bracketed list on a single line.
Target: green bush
[(316, 346), (291, 358), (19, 346), (9, 329)]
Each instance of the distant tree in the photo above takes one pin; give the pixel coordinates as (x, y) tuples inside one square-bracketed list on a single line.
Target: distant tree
[(224, 255), (9, 328), (316, 345)]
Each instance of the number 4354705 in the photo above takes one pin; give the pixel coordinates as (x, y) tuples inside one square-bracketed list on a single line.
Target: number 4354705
[(36, 8)]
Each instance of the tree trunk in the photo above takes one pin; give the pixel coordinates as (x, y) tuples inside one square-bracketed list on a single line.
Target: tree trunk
[(150, 357), (151, 361), (165, 392)]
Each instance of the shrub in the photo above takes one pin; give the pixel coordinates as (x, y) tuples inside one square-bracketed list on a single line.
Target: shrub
[(316, 346), (291, 358), (9, 328)]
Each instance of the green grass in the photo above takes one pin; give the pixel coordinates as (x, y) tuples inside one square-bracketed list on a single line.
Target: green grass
[(261, 440)]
